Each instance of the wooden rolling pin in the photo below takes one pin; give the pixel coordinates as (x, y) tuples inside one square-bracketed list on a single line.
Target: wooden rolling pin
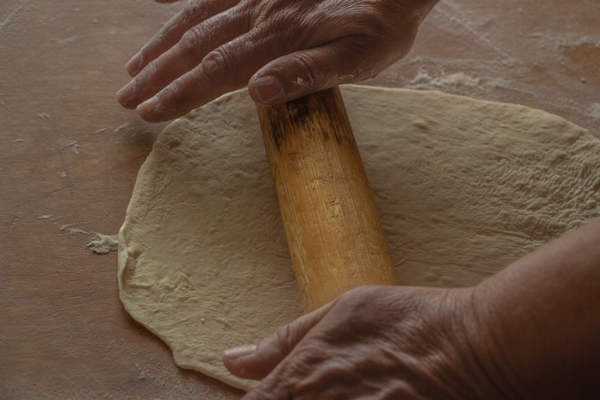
[(331, 223)]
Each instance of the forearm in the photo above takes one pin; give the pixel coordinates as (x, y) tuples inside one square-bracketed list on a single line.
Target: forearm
[(542, 318)]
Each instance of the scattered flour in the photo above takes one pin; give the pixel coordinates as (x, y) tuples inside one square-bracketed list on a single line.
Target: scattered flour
[(73, 144), (104, 244), (424, 81), (70, 39), (458, 79), (100, 244), (48, 217), (120, 128), (301, 82), (73, 231), (504, 58), (16, 8)]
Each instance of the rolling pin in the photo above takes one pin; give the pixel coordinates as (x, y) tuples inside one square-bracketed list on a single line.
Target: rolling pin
[(331, 223)]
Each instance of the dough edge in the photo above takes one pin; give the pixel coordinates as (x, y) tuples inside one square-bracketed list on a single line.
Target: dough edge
[(126, 261)]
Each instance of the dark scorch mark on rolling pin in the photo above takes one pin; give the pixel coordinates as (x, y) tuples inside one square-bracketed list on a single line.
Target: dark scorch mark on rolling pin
[(301, 112), (276, 132)]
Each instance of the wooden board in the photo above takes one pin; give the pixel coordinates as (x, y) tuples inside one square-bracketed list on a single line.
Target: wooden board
[(63, 331)]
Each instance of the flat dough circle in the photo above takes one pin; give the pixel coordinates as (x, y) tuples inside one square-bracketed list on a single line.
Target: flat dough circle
[(464, 187)]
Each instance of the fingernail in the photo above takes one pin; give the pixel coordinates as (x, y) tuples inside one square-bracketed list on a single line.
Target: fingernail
[(125, 93), (133, 65), (148, 106), (240, 351), (268, 88)]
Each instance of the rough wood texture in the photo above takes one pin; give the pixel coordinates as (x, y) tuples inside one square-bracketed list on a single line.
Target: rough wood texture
[(63, 332), (327, 208)]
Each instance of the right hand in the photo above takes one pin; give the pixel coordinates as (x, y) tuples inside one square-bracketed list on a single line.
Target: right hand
[(281, 49)]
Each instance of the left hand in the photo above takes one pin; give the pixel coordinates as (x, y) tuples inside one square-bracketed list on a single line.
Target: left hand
[(374, 343)]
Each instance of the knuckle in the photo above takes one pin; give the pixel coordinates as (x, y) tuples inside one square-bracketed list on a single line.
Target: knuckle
[(287, 338), (145, 81), (372, 21), (216, 64), (356, 298), (283, 338), (173, 90), (307, 68), (195, 9), (150, 72), (176, 99), (192, 40)]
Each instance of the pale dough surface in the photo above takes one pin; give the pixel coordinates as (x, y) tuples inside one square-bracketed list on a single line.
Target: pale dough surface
[(464, 187)]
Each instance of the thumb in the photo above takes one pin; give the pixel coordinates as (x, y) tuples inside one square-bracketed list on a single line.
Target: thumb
[(257, 361), (308, 71)]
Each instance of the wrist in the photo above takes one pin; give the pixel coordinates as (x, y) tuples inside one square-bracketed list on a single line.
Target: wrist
[(539, 319), (489, 347), (477, 350)]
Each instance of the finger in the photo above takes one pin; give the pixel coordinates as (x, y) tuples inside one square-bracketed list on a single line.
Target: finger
[(224, 69), (182, 58), (256, 362), (308, 71), (195, 12)]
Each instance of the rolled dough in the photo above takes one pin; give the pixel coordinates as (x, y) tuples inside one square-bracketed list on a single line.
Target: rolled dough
[(464, 187)]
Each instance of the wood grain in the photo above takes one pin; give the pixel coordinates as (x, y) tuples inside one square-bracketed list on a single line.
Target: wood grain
[(63, 332), (332, 227)]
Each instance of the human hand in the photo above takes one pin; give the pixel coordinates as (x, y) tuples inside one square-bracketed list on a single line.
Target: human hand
[(281, 49), (374, 343)]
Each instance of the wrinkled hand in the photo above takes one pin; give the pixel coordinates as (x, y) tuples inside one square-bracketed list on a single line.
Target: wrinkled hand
[(373, 343), (281, 49)]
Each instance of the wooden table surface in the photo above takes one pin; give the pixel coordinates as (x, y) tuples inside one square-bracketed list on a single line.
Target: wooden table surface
[(69, 155)]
